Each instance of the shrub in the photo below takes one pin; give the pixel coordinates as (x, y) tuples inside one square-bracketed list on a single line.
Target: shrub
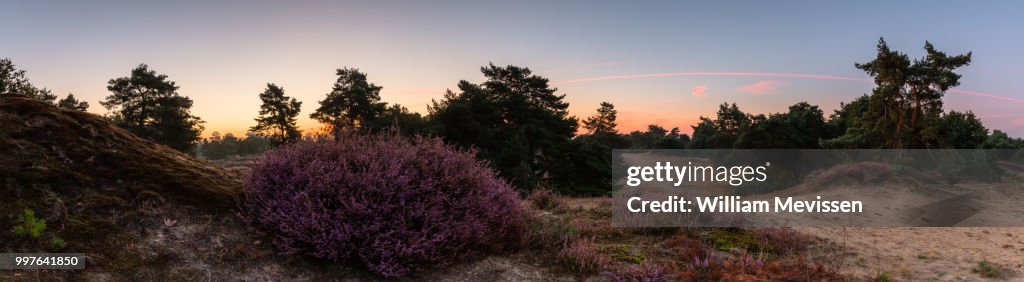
[(987, 269), (581, 256), (749, 268), (28, 225), (783, 240), (57, 243), (548, 233), (393, 204), (545, 199), (686, 248), (644, 272)]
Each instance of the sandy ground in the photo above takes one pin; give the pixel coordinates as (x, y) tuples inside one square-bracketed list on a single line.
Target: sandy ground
[(919, 253), (927, 253)]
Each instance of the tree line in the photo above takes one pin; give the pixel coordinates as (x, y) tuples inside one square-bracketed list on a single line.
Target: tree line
[(520, 124)]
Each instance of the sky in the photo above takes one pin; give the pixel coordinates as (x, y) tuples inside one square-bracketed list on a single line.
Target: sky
[(659, 62)]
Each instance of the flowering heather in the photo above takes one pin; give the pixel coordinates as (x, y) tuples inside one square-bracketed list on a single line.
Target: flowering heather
[(581, 256), (783, 240), (392, 204)]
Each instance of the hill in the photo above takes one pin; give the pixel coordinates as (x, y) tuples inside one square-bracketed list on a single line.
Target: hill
[(94, 188)]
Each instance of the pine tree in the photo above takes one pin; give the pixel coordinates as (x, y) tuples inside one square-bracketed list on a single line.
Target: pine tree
[(604, 122), (71, 103), (13, 80), (147, 104), (353, 103), (277, 116), (907, 98), (514, 118)]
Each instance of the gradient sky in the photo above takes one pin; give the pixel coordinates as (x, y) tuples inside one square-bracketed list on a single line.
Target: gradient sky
[(222, 53)]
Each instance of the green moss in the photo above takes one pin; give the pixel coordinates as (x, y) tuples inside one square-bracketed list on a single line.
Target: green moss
[(737, 239), (622, 253)]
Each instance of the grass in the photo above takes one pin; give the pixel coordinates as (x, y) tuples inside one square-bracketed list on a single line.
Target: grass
[(987, 269), (589, 245)]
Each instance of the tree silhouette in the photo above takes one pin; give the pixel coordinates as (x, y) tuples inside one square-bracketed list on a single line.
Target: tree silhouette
[(277, 116), (603, 122), (71, 103), (352, 104), (14, 80), (907, 96), (514, 118), (147, 104)]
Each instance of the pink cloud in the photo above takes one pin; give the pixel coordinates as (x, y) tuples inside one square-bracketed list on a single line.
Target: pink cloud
[(700, 91), (764, 87)]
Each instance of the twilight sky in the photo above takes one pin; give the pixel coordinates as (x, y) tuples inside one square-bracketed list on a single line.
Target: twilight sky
[(658, 62)]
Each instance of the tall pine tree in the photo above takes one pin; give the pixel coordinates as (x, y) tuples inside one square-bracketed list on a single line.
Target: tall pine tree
[(147, 104), (277, 116), (604, 122), (353, 103), (514, 118)]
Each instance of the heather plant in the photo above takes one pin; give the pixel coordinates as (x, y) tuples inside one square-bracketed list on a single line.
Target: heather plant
[(686, 248), (393, 204), (544, 233), (783, 240), (583, 257), (545, 199), (643, 272)]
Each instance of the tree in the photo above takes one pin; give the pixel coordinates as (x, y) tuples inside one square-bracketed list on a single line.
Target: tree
[(907, 97), (353, 103), (399, 118), (277, 116), (13, 80), (702, 133), (587, 167), (802, 127), (71, 103), (729, 124), (657, 137), (673, 140), (604, 122), (147, 104), (962, 131), (514, 118)]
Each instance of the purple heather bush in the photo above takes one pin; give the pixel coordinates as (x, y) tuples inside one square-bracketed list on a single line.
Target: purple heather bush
[(393, 204), (582, 256)]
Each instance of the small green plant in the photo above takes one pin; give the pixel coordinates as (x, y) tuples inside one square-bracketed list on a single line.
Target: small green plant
[(882, 277), (57, 243), (29, 225), (987, 269)]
